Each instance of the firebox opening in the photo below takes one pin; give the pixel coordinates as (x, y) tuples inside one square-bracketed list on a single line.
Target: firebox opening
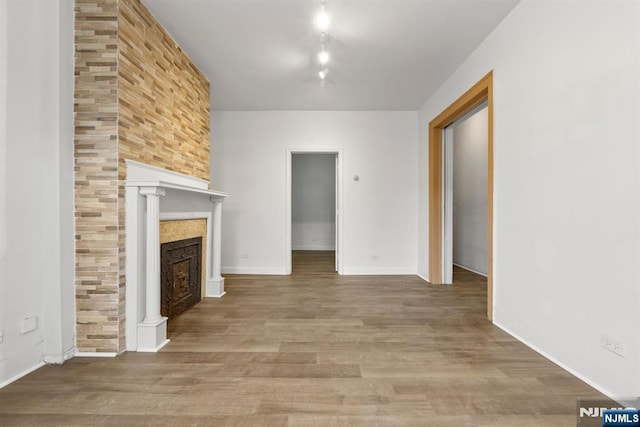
[(181, 273)]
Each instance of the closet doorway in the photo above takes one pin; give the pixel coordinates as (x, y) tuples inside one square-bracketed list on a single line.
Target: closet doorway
[(313, 210), (464, 194), (478, 93)]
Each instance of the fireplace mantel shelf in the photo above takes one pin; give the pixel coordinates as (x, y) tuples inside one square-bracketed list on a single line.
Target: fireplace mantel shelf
[(163, 184)]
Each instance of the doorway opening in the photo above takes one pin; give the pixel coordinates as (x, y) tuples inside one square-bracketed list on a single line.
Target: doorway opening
[(481, 92), (464, 166), (314, 232)]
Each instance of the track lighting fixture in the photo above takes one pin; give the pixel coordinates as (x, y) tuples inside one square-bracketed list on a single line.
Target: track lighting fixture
[(323, 21), (323, 57)]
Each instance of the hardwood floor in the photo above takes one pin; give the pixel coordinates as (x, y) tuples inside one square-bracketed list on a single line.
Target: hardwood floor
[(311, 263), (314, 349)]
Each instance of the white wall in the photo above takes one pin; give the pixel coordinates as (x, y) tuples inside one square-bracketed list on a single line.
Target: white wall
[(36, 251), (379, 212), (567, 183), (313, 201), (470, 192)]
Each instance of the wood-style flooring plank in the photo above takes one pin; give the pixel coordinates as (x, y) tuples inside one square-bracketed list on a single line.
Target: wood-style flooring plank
[(314, 349)]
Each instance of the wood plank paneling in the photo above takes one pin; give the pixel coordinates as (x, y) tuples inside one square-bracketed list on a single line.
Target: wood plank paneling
[(137, 96), (163, 98), (96, 175)]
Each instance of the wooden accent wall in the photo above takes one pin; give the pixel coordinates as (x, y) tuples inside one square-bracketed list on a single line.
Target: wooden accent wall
[(96, 175), (137, 96), (164, 98)]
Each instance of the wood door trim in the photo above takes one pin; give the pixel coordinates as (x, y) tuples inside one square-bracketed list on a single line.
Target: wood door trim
[(482, 90)]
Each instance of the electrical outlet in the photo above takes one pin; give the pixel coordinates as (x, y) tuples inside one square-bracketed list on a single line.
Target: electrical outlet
[(28, 324), (244, 256), (374, 257), (618, 348), (612, 345)]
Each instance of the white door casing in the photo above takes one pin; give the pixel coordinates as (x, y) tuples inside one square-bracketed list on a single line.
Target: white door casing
[(339, 201)]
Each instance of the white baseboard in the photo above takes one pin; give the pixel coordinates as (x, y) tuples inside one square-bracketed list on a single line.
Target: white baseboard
[(423, 277), (254, 270), (346, 271), (314, 248), (556, 361), (21, 374), (216, 296), (60, 359), (94, 354), (470, 269), (153, 349), (215, 288)]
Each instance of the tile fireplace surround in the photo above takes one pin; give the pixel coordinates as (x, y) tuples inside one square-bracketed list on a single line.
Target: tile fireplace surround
[(154, 194)]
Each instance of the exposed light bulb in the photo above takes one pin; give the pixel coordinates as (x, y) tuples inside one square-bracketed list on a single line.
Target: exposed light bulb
[(323, 20), (323, 57)]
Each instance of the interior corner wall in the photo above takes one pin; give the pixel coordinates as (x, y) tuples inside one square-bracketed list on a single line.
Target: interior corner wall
[(379, 211), (313, 201), (138, 97), (470, 192), (36, 192), (59, 296), (566, 176)]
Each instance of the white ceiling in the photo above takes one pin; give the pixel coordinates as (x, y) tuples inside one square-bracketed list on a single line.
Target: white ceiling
[(385, 54)]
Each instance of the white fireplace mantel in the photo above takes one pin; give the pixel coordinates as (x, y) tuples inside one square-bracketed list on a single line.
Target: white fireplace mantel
[(153, 194)]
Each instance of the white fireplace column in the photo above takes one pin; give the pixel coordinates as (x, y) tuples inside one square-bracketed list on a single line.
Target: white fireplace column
[(152, 331), (215, 284)]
